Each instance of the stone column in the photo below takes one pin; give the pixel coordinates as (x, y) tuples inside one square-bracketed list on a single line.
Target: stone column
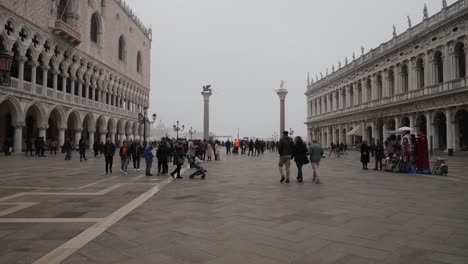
[(348, 138), (206, 113), (429, 129), (122, 138), (385, 131), (112, 136), (340, 134), (64, 84), (21, 61), (282, 96), (34, 65), (348, 96), (450, 130), (42, 132), (447, 64), (91, 139), (72, 86), (374, 87), (428, 70), (412, 75), (45, 70), (102, 137), (412, 118), (77, 137), (80, 89), (398, 80), (18, 143), (61, 136), (328, 137), (86, 87), (55, 80), (340, 99)]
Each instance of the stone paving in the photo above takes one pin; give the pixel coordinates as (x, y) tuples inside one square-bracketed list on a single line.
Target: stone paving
[(53, 210)]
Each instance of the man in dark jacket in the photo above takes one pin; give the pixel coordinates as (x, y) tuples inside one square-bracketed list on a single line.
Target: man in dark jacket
[(109, 151), (162, 154), (251, 148), (136, 149), (82, 149), (285, 149), (379, 155)]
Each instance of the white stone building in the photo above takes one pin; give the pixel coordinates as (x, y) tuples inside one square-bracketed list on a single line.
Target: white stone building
[(81, 68), (417, 79)]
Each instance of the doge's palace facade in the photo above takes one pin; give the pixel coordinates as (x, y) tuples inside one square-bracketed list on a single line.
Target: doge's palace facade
[(417, 79), (81, 68)]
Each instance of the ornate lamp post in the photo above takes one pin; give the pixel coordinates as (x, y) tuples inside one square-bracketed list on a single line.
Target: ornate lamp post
[(6, 59), (177, 128), (144, 120), (291, 132), (191, 132)]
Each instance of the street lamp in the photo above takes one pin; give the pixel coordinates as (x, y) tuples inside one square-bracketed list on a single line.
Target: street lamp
[(291, 132), (144, 120), (177, 128), (191, 132), (6, 59)]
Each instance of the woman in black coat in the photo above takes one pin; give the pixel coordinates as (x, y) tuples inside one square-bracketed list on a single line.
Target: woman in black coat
[(299, 156), (364, 154)]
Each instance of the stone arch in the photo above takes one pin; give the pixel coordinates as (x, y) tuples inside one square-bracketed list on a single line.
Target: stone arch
[(56, 122), (74, 125), (461, 129), (404, 122), (10, 116), (122, 51), (112, 129)]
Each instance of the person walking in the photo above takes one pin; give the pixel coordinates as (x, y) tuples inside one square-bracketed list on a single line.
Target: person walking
[(228, 147), (96, 148), (53, 147), (285, 148), (149, 160), (364, 154), (203, 149), (136, 150), (178, 159), (67, 148), (209, 151), (109, 152), (217, 150), (316, 154), (162, 154), (379, 155), (82, 149), (125, 157), (251, 148), (300, 156), (29, 146)]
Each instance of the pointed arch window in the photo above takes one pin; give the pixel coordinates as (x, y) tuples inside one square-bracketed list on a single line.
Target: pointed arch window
[(95, 29), (122, 49), (62, 10), (139, 63)]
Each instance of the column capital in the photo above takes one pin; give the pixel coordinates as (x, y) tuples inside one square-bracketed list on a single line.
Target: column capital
[(19, 124)]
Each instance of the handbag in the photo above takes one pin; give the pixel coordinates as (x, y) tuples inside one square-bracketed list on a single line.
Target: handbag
[(306, 161)]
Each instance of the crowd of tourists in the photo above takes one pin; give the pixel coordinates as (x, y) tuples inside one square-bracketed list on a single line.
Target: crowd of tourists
[(404, 153)]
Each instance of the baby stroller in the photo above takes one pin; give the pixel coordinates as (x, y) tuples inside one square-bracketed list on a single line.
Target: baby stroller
[(440, 166), (392, 163), (196, 164)]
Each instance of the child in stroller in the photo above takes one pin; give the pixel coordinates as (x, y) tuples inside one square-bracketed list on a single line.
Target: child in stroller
[(195, 163)]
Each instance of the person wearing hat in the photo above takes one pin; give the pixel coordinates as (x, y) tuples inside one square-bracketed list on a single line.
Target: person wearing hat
[(285, 148)]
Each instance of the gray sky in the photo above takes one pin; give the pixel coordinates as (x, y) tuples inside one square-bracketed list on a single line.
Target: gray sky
[(244, 48)]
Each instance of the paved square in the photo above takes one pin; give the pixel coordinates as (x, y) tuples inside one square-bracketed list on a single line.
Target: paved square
[(52, 211)]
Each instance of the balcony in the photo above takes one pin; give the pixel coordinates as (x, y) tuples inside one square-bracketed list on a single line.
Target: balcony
[(66, 98), (66, 32), (403, 98)]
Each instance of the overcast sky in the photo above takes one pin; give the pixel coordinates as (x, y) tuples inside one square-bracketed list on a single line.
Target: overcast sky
[(244, 48)]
